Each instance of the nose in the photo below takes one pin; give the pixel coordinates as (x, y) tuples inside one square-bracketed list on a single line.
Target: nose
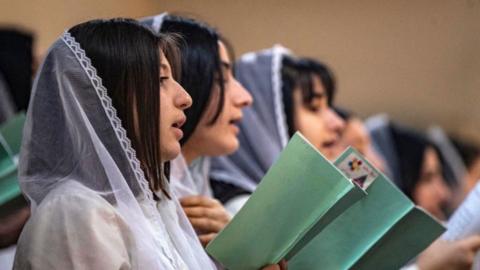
[(241, 97), (182, 99), (335, 123), (443, 191)]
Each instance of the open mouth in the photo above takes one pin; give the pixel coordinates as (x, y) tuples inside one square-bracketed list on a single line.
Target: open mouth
[(179, 123), (329, 144)]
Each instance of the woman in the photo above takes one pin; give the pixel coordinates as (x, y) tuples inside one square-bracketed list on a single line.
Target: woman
[(99, 199), (211, 126), (356, 135), (421, 171), (290, 95)]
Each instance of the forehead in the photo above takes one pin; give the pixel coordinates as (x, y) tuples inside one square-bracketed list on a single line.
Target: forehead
[(164, 64), (224, 57), (318, 86)]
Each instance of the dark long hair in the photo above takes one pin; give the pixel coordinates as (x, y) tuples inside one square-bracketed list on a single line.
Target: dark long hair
[(299, 73), (127, 58), (410, 146), (201, 67)]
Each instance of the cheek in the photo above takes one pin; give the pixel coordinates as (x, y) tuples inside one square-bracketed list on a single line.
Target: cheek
[(311, 126), (424, 195)]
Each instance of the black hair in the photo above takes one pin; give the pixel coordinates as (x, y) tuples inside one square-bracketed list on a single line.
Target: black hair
[(300, 73), (126, 56), (201, 68), (410, 146)]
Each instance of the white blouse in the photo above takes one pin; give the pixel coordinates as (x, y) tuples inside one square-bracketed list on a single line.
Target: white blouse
[(75, 228)]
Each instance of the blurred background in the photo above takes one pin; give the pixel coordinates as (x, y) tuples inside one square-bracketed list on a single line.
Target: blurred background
[(418, 61)]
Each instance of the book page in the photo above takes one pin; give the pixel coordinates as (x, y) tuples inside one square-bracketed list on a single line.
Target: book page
[(466, 219)]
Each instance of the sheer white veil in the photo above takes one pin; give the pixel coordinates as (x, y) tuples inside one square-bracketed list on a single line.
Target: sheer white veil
[(72, 133)]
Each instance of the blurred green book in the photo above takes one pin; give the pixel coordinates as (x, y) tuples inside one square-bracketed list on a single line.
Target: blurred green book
[(301, 193), (10, 142), (309, 211), (384, 230)]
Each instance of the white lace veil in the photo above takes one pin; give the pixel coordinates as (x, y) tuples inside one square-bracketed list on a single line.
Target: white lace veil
[(72, 133)]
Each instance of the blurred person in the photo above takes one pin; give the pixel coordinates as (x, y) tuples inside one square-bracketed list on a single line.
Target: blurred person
[(356, 135), (470, 154), (421, 171), (211, 125), (290, 94), (16, 65), (218, 99)]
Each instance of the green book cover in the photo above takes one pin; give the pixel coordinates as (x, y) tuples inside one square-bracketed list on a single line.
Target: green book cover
[(9, 187), (300, 194), (10, 142), (372, 234)]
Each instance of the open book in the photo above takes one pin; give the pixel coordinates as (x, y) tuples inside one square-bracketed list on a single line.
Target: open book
[(309, 212)]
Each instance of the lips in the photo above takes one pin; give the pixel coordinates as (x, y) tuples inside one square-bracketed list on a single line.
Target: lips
[(234, 123), (177, 125), (329, 143)]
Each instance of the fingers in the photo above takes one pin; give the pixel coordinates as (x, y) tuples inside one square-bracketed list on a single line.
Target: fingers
[(199, 201), (217, 213), (472, 243), (206, 238), (282, 265), (206, 225)]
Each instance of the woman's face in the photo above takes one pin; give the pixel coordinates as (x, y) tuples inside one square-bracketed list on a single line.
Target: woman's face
[(221, 137), (317, 121), (431, 191), (356, 135), (173, 101)]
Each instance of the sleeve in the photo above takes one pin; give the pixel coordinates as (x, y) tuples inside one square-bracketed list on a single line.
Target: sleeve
[(75, 232)]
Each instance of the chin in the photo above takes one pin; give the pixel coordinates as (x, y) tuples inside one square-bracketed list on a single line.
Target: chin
[(228, 147), (171, 152)]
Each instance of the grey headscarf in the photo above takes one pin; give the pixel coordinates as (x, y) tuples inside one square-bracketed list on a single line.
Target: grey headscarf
[(263, 129)]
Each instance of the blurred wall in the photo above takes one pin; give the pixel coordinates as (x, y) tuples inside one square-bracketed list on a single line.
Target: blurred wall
[(419, 61)]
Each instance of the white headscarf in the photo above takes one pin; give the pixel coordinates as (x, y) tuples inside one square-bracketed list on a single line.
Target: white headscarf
[(187, 180), (72, 134), (263, 129)]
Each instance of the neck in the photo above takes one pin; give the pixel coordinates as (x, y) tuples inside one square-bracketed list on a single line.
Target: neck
[(189, 153)]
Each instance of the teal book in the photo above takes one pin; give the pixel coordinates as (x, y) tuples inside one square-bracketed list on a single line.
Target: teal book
[(298, 213), (384, 230), (10, 141), (300, 194)]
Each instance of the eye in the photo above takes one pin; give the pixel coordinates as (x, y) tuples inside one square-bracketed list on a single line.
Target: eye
[(314, 107), (163, 79)]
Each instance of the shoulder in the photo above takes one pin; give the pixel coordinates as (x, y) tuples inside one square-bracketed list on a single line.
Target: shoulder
[(73, 219), (74, 200)]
